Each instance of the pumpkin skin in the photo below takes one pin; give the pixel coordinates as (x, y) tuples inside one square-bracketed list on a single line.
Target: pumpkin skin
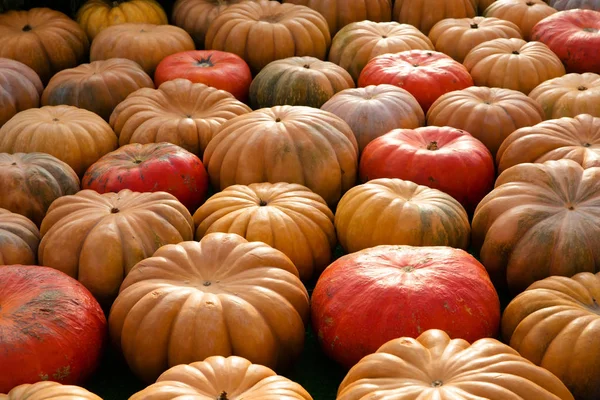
[(306, 146), (298, 81), (146, 44), (400, 369), (152, 167), (20, 88), (180, 112), (457, 36), (241, 28), (483, 4), (53, 40), (423, 73), (526, 229), (367, 298), (51, 326), (96, 15), (47, 390), (219, 377), (562, 5), (251, 292), (569, 95), (523, 13), (32, 181), (73, 135), (359, 42), (19, 239), (424, 14), (566, 311), (90, 236), (288, 217), (375, 110), (221, 70), (574, 36), (493, 64), (98, 86), (396, 212)]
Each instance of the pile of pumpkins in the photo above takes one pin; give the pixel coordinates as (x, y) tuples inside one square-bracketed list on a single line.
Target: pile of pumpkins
[(172, 190)]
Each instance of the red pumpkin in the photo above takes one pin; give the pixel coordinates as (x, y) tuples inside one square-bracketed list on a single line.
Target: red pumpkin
[(366, 298), (152, 167), (443, 158), (51, 327), (425, 74)]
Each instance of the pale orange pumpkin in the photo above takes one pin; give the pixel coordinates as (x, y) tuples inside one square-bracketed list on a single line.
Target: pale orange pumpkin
[(523, 13), (20, 88), (47, 390), (424, 14), (19, 239)]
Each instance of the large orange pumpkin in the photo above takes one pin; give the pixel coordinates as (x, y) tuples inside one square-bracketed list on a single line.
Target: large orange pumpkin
[(20, 88), (19, 239), (48, 390), (424, 14), (523, 13)]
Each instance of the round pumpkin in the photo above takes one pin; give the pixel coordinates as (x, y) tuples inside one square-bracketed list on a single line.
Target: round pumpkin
[(278, 30), (19, 239), (220, 296), (433, 366), (96, 15), (293, 144), (523, 13), (146, 44), (569, 95), (222, 378), (97, 238), (298, 81), (48, 390), (493, 64), (367, 298), (357, 43), (20, 88), (396, 212), (375, 110), (489, 114), (73, 135), (482, 5), (98, 86), (51, 328), (424, 14), (180, 112), (562, 5), (540, 220), (288, 217), (46, 40)]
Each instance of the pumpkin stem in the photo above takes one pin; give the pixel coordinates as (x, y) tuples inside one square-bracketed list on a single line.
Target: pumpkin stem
[(223, 396), (437, 383), (474, 26), (582, 88), (515, 52), (115, 4), (27, 28), (205, 62), (114, 210), (432, 146), (262, 203), (306, 66)]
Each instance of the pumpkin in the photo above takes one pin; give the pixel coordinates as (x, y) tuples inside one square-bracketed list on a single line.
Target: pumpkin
[(375, 110), (52, 327), (73, 135), (223, 296), (96, 15), (423, 73), (20, 88), (457, 36), (576, 139), (443, 158), (396, 212), (98, 86), (222, 378), (152, 167), (298, 81), (489, 114), (221, 70), (434, 366), (494, 64), (47, 390), (574, 35), (278, 30), (293, 144), (554, 324), (180, 112), (288, 217), (375, 295), (19, 239), (523, 13), (45, 40), (562, 5), (539, 221), (146, 44), (424, 14), (97, 238), (569, 95), (483, 4), (357, 43)]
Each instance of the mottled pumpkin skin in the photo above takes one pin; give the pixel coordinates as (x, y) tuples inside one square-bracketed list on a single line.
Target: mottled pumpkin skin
[(19, 239), (569, 95), (523, 13), (424, 14), (48, 390), (50, 326), (20, 88), (562, 5)]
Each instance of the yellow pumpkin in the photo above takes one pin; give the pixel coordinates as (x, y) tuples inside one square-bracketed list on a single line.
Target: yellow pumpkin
[(523, 13)]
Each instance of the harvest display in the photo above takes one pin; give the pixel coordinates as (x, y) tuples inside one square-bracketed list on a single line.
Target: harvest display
[(300, 199)]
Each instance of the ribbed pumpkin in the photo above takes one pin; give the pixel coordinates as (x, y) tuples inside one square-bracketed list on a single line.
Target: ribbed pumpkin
[(562, 5), (298, 81), (482, 5), (424, 14), (19, 239), (569, 95), (489, 114), (20, 88), (180, 112), (523, 13), (220, 296), (97, 238), (494, 64), (288, 217), (47, 390), (98, 86)]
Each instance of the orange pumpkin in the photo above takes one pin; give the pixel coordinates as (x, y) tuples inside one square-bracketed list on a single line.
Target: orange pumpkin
[(482, 5), (20, 88), (424, 14), (523, 13), (47, 390), (19, 239)]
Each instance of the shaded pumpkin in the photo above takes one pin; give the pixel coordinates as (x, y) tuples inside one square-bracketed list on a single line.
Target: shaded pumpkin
[(523, 13), (20, 88), (569, 95), (19, 239), (424, 14), (562, 5), (48, 390)]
